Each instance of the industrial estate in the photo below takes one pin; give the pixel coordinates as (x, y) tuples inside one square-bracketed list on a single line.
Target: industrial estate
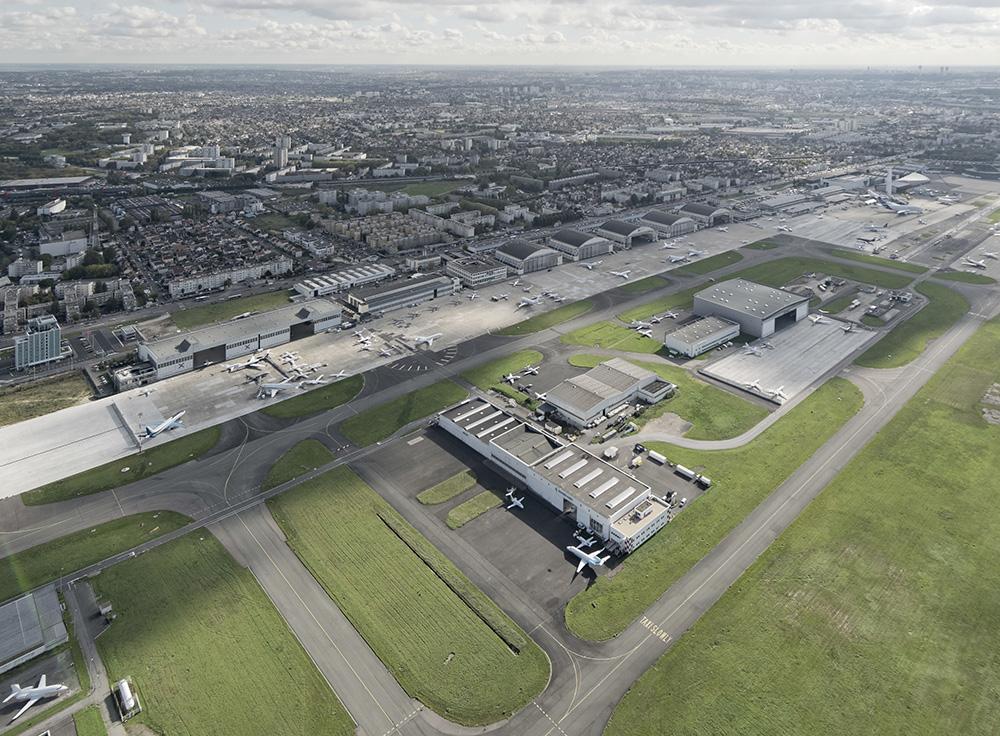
[(535, 402)]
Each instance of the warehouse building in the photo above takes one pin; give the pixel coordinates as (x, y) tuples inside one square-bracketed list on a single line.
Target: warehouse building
[(30, 626), (669, 224), (625, 233), (587, 399), (475, 271), (706, 215), (759, 310), (409, 293), (700, 336), (609, 502), (181, 353), (524, 257), (344, 279), (580, 246)]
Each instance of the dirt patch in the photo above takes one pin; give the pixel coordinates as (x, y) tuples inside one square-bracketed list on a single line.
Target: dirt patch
[(667, 424)]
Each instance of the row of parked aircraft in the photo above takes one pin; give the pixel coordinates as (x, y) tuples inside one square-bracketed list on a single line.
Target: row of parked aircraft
[(981, 263), (579, 550), (774, 393)]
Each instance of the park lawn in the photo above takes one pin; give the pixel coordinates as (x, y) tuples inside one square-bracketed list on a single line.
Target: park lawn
[(741, 480), (305, 456), (43, 563), (380, 422), (884, 591), (610, 336), (88, 722), (472, 509), (548, 319), (650, 283), (19, 403), (207, 650), (965, 277), (127, 469), (855, 255), (714, 414), (908, 339), (205, 314), (490, 375), (447, 644), (712, 263), (448, 489), (319, 399)]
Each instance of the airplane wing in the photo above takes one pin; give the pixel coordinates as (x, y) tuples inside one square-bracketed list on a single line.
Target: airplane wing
[(580, 565), (41, 682), (24, 708)]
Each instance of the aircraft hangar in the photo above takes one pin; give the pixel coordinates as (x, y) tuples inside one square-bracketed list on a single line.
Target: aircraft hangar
[(759, 310)]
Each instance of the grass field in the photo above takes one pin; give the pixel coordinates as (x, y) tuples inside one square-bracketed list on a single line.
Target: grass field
[(126, 470), (762, 245), (19, 403), (994, 216), (490, 375), (712, 263), (88, 722), (204, 314), (472, 509), (840, 303), (714, 414), (447, 644), (856, 255), (446, 490), (549, 319), (650, 283), (885, 590), (206, 649), (678, 300), (965, 277), (319, 399), (380, 422), (741, 478), (908, 339), (24, 571), (305, 456), (273, 222), (611, 336)]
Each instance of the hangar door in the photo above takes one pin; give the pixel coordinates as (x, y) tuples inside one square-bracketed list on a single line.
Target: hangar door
[(784, 320), (210, 355), (302, 329)]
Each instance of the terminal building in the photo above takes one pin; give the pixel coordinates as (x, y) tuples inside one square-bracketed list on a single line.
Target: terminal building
[(589, 398), (524, 257), (759, 310), (181, 353), (580, 246), (611, 503), (397, 294), (700, 336)]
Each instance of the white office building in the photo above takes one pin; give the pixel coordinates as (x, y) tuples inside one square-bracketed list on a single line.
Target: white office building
[(40, 344)]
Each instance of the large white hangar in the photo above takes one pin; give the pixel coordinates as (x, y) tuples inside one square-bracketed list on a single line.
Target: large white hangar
[(759, 310), (585, 399), (580, 246), (626, 233), (525, 257), (670, 224)]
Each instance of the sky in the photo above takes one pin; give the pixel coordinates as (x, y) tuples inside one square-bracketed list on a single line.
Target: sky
[(706, 33)]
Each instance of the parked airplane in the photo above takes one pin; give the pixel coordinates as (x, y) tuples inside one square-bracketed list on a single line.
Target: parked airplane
[(500, 297), (992, 255), (515, 282), (695, 253), (386, 353), (777, 393), (669, 315), (511, 378), (975, 264), (752, 350), (584, 541), (252, 363), (541, 396), (639, 325), (317, 381), (818, 319), (726, 229), (678, 259), (588, 558), (530, 370), (514, 500), (31, 695), (621, 274), (529, 301), (473, 295), (847, 326), (591, 266), (668, 246), (270, 390), (165, 426), (427, 340), (754, 385), (645, 333), (921, 221), (339, 374)]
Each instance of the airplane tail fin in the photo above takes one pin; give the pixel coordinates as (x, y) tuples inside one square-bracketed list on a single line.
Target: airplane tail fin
[(605, 559), (14, 690)]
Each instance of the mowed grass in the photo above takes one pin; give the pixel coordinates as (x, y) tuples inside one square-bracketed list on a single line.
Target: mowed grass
[(472, 509), (88, 722), (126, 470), (742, 479), (205, 314), (207, 650), (855, 255), (490, 375), (548, 319), (650, 283), (305, 456), (19, 403), (448, 489), (446, 643), (712, 263), (965, 277), (840, 303), (884, 591), (319, 399), (611, 336), (380, 422), (909, 338), (762, 245), (994, 216), (714, 414), (43, 563)]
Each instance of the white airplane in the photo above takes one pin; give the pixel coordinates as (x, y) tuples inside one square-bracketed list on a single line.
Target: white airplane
[(726, 229), (473, 295), (511, 378), (645, 333), (317, 381), (294, 356), (752, 350), (695, 253), (754, 385), (515, 282), (499, 297), (514, 500), (339, 374), (975, 264), (530, 370), (588, 558), (992, 255), (818, 319), (270, 390), (165, 426), (668, 246), (559, 299), (529, 301), (669, 315), (621, 274), (777, 393), (386, 353), (252, 363), (540, 396), (591, 266), (31, 695), (847, 327), (639, 325), (584, 541), (921, 221), (427, 340), (678, 259)]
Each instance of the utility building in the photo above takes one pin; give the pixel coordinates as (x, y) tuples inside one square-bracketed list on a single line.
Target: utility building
[(611, 503), (398, 294), (579, 246), (476, 271), (700, 336), (759, 310), (586, 399)]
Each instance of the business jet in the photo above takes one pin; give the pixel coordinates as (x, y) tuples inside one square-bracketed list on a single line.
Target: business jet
[(975, 264), (645, 333), (584, 541), (726, 229), (427, 340), (270, 390), (992, 255), (777, 393), (540, 396), (514, 500), (530, 370), (500, 297), (473, 295), (31, 695), (591, 266), (529, 302), (639, 325), (317, 381), (511, 378), (588, 558), (754, 385), (165, 426), (515, 282), (386, 353), (752, 350), (339, 374), (668, 246), (818, 319), (621, 274)]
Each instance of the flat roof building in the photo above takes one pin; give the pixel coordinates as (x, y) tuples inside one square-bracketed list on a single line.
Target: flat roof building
[(700, 336), (30, 626), (759, 310), (41, 344), (475, 271), (525, 257), (398, 294), (580, 246), (46, 183), (344, 279)]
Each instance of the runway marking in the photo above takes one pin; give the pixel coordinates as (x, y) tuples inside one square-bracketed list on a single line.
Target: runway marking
[(554, 724), (416, 440), (312, 615), (403, 722), (114, 494), (656, 630)]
